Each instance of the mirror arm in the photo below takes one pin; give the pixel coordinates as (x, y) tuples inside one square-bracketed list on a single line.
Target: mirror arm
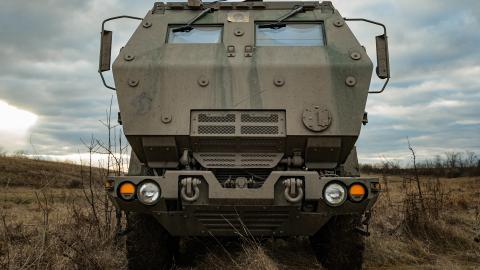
[(368, 21), (103, 31), (385, 35), (381, 90)]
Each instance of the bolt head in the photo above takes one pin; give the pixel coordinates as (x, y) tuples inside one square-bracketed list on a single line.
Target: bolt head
[(350, 81)]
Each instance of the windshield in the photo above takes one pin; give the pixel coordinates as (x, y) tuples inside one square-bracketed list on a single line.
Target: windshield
[(198, 34), (293, 34)]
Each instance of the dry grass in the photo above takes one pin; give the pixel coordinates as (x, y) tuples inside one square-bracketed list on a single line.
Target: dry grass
[(55, 228), (23, 171), (440, 237)]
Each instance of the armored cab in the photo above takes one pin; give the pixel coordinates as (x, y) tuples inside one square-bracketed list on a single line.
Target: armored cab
[(244, 115)]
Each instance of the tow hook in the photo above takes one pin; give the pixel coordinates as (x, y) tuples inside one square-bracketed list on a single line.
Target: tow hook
[(190, 191), (293, 190)]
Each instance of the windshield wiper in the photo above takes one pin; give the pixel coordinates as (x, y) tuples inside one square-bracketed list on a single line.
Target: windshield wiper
[(279, 23), (188, 27)]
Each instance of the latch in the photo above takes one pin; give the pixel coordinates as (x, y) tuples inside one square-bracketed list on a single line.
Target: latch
[(365, 118), (231, 51), (119, 119), (248, 50)]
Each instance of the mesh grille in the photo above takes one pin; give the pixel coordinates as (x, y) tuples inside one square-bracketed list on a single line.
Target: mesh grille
[(238, 160), (270, 130), (249, 118), (205, 118), (253, 221), (216, 130), (238, 123)]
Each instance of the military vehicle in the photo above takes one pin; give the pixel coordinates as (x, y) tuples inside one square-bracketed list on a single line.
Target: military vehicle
[(243, 119)]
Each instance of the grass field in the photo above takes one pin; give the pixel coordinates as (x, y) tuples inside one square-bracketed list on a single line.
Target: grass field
[(56, 225)]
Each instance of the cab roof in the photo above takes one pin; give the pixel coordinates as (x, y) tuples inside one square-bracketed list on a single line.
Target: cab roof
[(246, 5)]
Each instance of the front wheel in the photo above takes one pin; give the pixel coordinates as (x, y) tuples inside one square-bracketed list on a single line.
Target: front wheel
[(149, 245), (338, 245)]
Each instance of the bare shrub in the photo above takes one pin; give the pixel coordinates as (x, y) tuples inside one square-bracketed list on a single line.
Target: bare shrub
[(450, 165), (75, 231)]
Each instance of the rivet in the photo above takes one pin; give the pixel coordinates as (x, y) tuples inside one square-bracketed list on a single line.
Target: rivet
[(338, 23), (133, 83), (128, 57), (203, 81), (166, 118), (278, 81), (238, 32), (147, 24), (355, 56), (351, 81)]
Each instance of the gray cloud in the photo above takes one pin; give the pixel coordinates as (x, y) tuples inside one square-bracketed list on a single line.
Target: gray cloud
[(49, 50), (434, 95)]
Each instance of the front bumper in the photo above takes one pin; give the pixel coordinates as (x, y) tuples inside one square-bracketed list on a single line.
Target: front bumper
[(262, 211)]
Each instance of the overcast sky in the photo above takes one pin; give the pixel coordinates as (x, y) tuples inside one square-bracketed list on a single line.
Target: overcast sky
[(51, 95)]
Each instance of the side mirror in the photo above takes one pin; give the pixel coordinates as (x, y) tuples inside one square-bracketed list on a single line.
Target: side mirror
[(383, 63), (106, 48), (105, 51)]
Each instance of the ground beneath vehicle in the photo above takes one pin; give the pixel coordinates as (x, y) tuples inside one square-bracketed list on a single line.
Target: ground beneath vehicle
[(244, 116)]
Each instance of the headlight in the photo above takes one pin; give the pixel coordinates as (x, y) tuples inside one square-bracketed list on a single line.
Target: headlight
[(148, 193), (335, 194)]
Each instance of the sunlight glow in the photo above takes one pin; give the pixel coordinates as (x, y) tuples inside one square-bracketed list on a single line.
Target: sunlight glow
[(15, 121)]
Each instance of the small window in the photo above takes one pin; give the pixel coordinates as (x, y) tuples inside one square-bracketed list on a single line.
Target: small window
[(293, 34), (199, 34)]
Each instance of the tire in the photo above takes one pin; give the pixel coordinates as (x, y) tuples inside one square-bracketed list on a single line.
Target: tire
[(337, 245), (149, 245)]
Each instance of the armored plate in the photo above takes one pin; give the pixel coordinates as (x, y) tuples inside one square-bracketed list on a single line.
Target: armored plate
[(231, 86)]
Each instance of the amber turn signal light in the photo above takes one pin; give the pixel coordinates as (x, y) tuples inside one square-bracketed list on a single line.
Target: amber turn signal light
[(357, 192), (127, 191)]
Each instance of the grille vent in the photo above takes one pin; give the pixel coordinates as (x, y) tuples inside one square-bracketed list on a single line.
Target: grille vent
[(206, 118), (238, 123), (221, 130), (238, 160), (270, 130), (273, 118), (252, 221)]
